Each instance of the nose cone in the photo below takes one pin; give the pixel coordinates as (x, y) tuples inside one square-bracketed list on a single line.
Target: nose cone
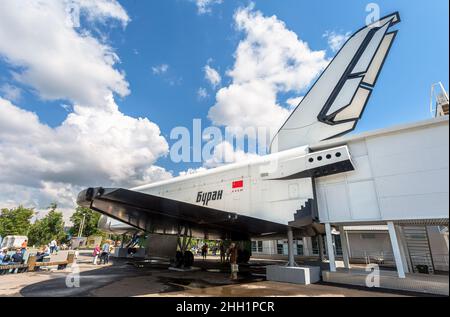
[(84, 198)]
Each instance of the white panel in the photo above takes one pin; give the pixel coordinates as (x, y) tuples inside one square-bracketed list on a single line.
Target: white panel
[(337, 202), (403, 141), (362, 170), (357, 148), (431, 206), (411, 161), (322, 203), (345, 95), (363, 201), (369, 53), (420, 183), (355, 109), (293, 191), (375, 67)]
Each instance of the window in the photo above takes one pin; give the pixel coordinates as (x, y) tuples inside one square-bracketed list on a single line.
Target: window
[(280, 247), (300, 249), (260, 248), (338, 245), (315, 245), (257, 246), (254, 247)]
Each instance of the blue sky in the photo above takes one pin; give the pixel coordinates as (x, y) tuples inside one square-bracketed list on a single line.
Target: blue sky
[(175, 33)]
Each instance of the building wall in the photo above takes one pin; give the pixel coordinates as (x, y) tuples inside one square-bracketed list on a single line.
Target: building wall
[(279, 247), (365, 246), (399, 175)]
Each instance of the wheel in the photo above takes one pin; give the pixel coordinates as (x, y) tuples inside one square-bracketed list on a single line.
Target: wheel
[(243, 256), (188, 259)]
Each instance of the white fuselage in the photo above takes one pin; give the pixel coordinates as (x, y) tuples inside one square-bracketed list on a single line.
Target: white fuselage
[(251, 188)]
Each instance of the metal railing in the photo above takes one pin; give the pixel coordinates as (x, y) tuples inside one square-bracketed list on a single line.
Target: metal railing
[(371, 257)]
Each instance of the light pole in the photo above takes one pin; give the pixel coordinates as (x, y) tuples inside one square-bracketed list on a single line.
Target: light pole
[(80, 231)]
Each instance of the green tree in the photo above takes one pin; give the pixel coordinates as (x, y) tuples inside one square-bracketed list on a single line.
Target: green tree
[(90, 227), (48, 228), (15, 221)]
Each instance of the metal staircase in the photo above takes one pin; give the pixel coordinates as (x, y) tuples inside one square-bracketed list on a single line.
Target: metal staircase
[(416, 238)]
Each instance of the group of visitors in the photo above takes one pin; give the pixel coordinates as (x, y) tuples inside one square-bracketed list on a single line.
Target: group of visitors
[(16, 258), (47, 250), (229, 254), (225, 253), (7, 259), (102, 253)]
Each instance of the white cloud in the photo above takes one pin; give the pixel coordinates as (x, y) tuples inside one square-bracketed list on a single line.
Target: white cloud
[(102, 10), (96, 144), (160, 69), (212, 76), (294, 102), (224, 153), (167, 76), (205, 6), (48, 54), (202, 93), (270, 60), (11, 92), (336, 40), (92, 147)]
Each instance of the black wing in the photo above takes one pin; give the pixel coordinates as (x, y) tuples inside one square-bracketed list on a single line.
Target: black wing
[(155, 214)]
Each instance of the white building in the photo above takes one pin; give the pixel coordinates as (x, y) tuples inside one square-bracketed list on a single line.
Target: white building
[(393, 209)]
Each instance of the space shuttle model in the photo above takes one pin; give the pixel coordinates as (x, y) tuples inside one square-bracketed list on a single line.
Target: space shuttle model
[(283, 191)]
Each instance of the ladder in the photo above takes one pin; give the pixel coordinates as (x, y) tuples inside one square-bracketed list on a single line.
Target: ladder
[(416, 238)]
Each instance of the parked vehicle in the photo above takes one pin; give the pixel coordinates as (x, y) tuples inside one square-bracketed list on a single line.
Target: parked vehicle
[(13, 242)]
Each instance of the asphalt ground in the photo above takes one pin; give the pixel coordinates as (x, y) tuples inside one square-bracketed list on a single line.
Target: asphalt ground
[(125, 278)]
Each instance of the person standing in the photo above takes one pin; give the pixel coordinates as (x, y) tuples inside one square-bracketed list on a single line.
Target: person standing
[(95, 254), (204, 251), (222, 252), (24, 247), (233, 261), (53, 246), (105, 253)]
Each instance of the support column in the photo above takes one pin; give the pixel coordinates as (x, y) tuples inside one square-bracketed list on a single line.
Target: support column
[(396, 250), (403, 250), (306, 248), (345, 248), (291, 262), (330, 248)]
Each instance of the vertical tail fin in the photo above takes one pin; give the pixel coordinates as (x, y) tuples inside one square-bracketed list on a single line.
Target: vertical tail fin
[(337, 100)]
